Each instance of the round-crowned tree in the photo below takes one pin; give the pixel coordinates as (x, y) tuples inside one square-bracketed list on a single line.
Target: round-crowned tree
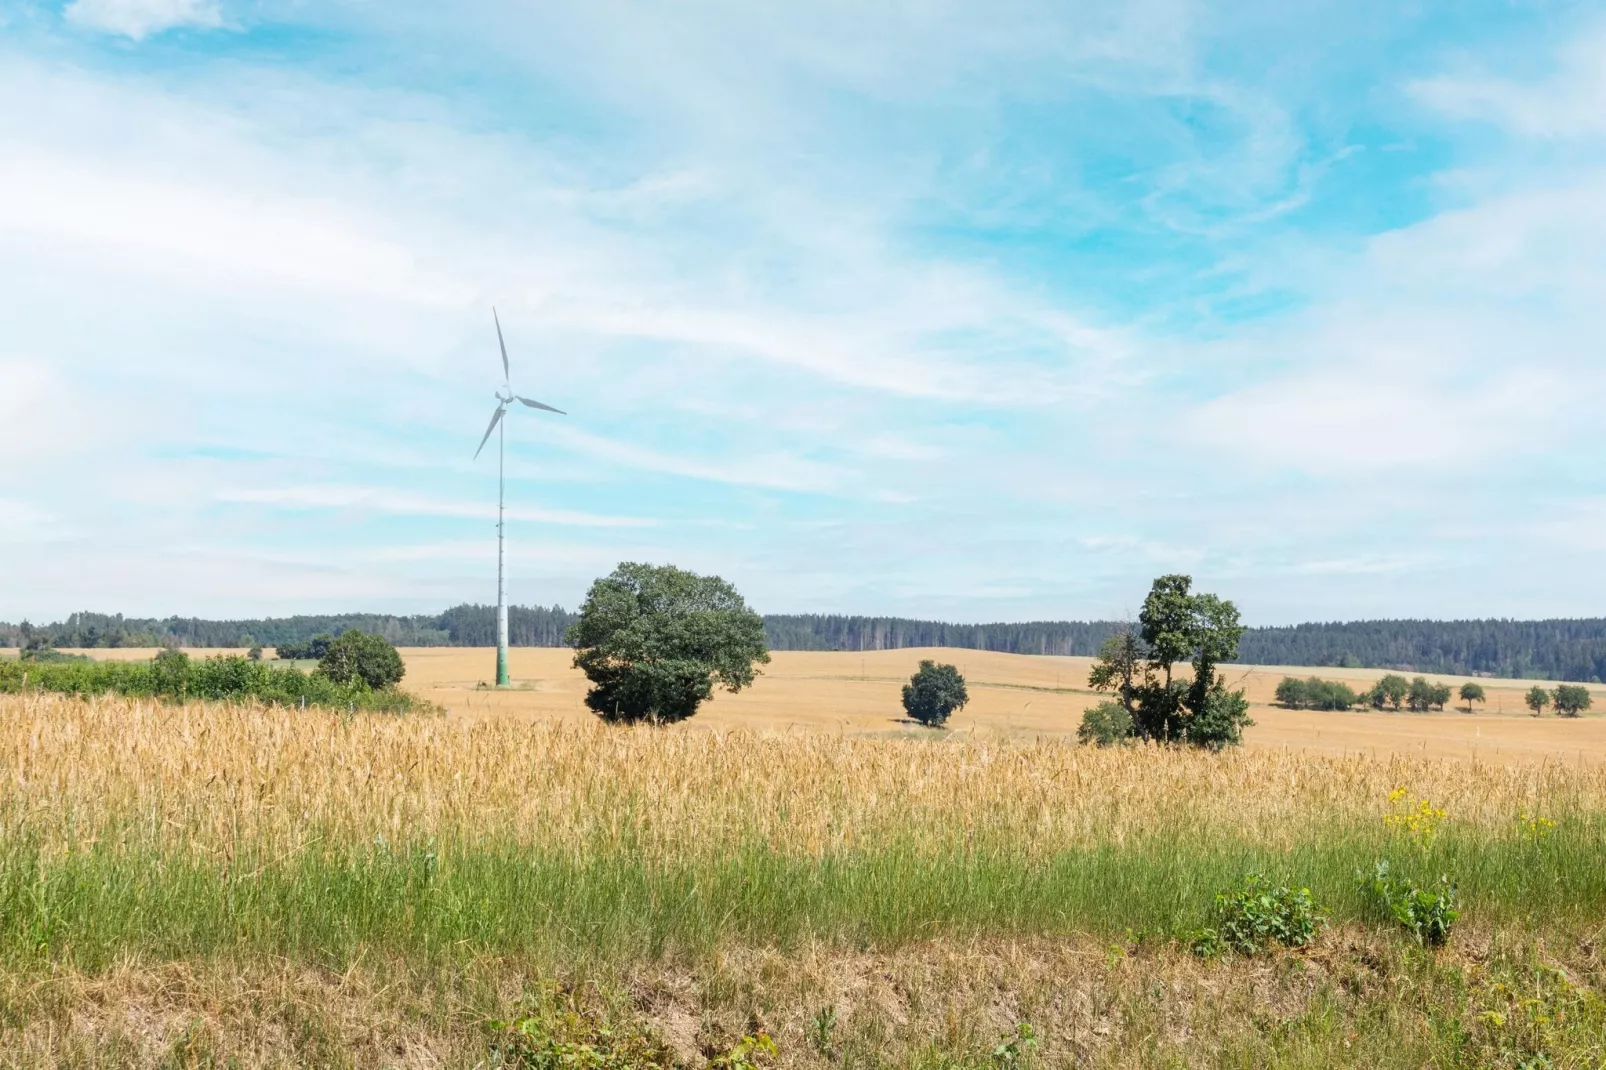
[(655, 641), (934, 692), (353, 656)]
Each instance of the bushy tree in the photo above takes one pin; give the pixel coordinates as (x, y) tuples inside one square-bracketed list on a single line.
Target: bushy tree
[(1424, 696), (1293, 693), (352, 656), (1470, 693), (933, 693), (1177, 624), (1315, 694), (1571, 700), (655, 640), (312, 650), (1537, 699), (1391, 690), (1105, 725)]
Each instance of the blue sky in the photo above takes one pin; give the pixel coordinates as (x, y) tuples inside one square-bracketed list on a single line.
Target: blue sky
[(937, 309)]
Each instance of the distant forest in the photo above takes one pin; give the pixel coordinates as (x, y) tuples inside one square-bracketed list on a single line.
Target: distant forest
[(1548, 649)]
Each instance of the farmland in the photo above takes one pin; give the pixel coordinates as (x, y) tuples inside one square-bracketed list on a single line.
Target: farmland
[(228, 882), (1011, 695)]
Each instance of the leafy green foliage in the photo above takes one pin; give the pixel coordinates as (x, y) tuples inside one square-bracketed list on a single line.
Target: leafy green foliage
[(355, 657), (565, 1033), (1470, 693), (1423, 696), (933, 693), (1105, 725), (1258, 914), (1176, 623), (173, 675), (655, 641), (1016, 1049), (1571, 699), (1536, 699), (1426, 912), (1391, 690), (1315, 694), (749, 1053), (312, 649)]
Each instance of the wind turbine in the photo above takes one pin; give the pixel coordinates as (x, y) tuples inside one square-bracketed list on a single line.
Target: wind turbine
[(504, 398)]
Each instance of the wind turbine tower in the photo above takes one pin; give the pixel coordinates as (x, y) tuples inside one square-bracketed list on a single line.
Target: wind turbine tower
[(504, 398)]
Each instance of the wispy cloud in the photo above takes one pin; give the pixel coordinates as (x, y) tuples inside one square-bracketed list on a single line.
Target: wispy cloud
[(383, 500), (139, 19)]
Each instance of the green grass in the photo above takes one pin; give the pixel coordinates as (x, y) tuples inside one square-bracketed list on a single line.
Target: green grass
[(127, 891)]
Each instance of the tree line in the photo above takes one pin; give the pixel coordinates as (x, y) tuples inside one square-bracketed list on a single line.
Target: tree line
[(1570, 650)]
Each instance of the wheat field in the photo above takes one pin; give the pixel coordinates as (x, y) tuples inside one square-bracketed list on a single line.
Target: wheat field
[(1020, 695), (216, 884)]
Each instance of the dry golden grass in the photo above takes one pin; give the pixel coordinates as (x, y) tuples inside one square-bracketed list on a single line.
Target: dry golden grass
[(217, 774), (1011, 695)]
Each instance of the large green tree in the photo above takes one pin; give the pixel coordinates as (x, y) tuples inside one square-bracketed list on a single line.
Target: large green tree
[(655, 641), (933, 693), (353, 656), (1571, 699), (1177, 625)]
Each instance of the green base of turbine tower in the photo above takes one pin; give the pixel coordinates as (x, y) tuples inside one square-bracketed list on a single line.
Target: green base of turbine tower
[(502, 679)]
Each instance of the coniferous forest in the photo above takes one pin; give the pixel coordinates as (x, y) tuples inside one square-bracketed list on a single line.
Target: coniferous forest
[(1550, 649)]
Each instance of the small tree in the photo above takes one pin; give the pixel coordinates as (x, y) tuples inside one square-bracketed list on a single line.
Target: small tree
[(1293, 693), (1470, 693), (255, 653), (655, 640), (933, 693), (1105, 725), (361, 656), (1177, 624), (1571, 700), (1537, 699), (1390, 690)]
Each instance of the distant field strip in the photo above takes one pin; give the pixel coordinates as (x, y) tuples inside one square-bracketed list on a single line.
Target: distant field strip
[(177, 830)]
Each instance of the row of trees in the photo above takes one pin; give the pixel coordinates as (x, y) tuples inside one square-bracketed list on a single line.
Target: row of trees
[(1396, 692), (1572, 650)]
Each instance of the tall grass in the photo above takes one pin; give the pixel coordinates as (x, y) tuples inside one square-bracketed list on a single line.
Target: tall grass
[(129, 825)]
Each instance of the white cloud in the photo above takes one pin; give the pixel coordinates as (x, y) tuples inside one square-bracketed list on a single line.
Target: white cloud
[(384, 500), (1569, 104), (139, 19)]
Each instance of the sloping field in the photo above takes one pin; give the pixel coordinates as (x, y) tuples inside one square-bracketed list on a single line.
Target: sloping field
[(1011, 694)]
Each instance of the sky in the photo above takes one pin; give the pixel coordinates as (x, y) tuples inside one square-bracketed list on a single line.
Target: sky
[(937, 309)]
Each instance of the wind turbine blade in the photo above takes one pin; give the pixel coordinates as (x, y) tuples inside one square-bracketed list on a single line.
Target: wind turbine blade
[(506, 375), (540, 405), (495, 417)]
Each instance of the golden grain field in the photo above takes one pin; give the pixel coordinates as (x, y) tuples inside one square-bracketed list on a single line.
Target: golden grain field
[(1011, 695)]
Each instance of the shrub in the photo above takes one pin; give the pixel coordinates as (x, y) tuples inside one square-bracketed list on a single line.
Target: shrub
[(934, 692), (361, 656), (1427, 913), (1293, 693), (1571, 700), (1316, 694), (566, 1035), (1221, 721), (1257, 915), (1105, 725)]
